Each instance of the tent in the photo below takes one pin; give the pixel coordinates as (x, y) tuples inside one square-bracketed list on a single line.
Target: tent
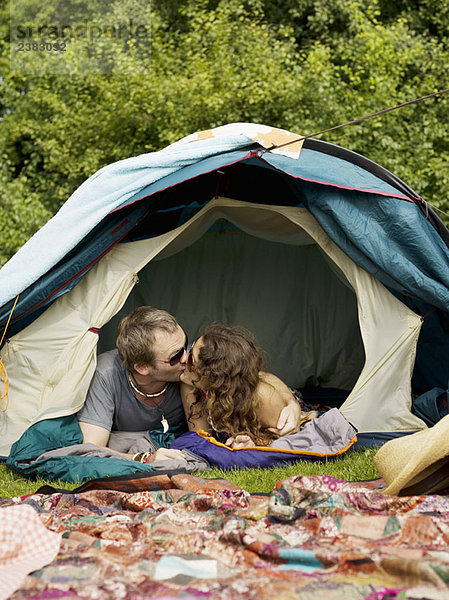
[(339, 268)]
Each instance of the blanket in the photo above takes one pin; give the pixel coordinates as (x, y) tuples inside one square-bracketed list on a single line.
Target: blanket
[(53, 450), (311, 537)]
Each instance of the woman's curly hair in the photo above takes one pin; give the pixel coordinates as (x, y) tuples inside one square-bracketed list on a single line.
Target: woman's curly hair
[(228, 366)]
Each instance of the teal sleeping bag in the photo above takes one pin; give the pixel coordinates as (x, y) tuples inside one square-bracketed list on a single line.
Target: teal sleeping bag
[(58, 433)]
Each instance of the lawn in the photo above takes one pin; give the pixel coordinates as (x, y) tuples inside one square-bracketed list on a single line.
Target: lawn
[(352, 466)]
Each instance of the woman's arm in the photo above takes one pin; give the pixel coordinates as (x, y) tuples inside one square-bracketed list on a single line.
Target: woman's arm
[(195, 419)]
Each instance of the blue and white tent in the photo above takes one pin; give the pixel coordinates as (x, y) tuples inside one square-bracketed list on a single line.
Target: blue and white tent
[(338, 267)]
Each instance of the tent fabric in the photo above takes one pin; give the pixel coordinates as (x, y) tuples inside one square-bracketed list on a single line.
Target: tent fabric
[(117, 185), (385, 233), (58, 256), (432, 406), (238, 271), (333, 171), (369, 227)]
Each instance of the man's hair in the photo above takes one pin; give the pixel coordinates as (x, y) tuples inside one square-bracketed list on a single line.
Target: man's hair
[(136, 335)]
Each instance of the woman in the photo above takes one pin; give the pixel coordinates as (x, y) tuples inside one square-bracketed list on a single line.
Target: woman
[(226, 392)]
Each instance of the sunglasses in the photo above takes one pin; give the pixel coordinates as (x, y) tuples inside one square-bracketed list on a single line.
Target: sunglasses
[(176, 358), (190, 359)]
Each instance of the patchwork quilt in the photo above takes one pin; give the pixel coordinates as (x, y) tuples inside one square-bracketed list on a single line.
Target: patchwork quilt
[(185, 537)]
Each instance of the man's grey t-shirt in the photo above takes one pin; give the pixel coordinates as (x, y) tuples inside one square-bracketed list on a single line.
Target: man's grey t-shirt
[(111, 403)]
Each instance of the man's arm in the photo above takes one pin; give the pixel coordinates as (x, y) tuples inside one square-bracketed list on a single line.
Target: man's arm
[(93, 434), (289, 419), (99, 407)]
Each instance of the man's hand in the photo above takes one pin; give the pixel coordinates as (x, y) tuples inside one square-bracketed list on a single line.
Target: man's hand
[(289, 420), (167, 454)]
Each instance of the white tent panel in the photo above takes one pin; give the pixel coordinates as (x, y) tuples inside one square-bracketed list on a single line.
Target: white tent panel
[(381, 398)]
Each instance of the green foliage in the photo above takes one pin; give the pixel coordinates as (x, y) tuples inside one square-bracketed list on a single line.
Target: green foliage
[(428, 17), (136, 76), (18, 200)]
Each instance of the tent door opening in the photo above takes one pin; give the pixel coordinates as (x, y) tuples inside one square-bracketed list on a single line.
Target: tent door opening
[(279, 284)]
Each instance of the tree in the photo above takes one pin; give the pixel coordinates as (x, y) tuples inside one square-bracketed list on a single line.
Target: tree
[(133, 80)]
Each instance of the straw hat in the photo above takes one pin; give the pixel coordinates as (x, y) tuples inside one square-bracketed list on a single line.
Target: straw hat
[(418, 463)]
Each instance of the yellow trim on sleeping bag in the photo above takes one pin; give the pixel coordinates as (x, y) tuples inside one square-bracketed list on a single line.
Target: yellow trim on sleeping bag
[(212, 440)]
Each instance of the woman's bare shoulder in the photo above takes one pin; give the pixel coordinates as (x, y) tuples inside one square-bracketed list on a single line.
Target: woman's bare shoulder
[(273, 395), (269, 381), (270, 388), (270, 400)]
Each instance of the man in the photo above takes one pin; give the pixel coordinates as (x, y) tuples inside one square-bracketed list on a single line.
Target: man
[(135, 387)]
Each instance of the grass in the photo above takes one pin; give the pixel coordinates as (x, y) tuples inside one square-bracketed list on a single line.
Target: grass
[(12, 484), (351, 466)]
